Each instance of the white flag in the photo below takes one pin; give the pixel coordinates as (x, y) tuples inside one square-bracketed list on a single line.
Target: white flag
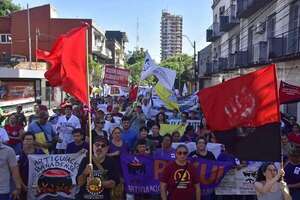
[(184, 90), (165, 76), (149, 66)]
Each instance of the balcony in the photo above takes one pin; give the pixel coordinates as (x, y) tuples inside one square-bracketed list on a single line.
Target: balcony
[(285, 46), (245, 8), (213, 32), (208, 69), (102, 51), (260, 53), (219, 65), (229, 19), (237, 60)]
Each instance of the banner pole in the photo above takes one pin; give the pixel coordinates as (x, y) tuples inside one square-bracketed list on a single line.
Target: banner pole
[(89, 101)]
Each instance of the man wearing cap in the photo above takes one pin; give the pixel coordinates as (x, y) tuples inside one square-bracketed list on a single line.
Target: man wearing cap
[(65, 125), (44, 132), (104, 169)]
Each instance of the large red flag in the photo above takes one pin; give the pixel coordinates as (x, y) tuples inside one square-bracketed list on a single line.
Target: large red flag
[(68, 63), (247, 101), (288, 93)]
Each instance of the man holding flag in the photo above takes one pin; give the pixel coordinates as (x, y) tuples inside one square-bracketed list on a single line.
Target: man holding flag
[(69, 70)]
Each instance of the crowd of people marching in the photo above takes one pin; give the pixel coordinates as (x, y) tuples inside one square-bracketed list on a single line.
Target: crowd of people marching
[(120, 126)]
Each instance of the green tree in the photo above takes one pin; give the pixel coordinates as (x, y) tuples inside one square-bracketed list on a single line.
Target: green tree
[(183, 65), (95, 71), (135, 62), (7, 6)]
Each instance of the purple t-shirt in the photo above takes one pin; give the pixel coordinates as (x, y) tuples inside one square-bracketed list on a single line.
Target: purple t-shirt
[(123, 149), (113, 148), (161, 153), (74, 148), (292, 173)]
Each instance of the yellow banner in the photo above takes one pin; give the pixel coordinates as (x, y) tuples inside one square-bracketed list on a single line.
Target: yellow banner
[(168, 128), (164, 94)]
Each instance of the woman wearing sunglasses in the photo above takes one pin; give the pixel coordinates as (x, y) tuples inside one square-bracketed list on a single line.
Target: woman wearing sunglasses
[(179, 179), (98, 130)]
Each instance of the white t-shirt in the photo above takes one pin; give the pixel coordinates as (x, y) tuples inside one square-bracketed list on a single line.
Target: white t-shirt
[(64, 129), (109, 126), (3, 135)]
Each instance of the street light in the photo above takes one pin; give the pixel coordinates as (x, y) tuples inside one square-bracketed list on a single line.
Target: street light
[(193, 44)]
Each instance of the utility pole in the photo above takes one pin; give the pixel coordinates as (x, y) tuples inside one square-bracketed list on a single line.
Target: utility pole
[(195, 67), (29, 36), (37, 33), (193, 44)]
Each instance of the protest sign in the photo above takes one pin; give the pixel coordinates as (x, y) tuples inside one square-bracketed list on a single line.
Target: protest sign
[(141, 173), (240, 182), (116, 76), (53, 176)]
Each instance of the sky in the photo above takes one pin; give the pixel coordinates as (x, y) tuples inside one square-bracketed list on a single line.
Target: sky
[(123, 15)]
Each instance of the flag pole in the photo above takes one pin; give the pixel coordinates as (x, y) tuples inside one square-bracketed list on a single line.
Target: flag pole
[(89, 101)]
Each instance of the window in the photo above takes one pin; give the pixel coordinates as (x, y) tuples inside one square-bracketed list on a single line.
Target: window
[(5, 38), (271, 23)]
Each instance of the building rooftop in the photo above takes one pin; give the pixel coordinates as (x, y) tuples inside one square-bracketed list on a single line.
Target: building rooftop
[(116, 35)]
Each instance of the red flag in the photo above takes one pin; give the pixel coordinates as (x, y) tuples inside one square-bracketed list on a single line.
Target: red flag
[(288, 93), (247, 101), (68, 63), (133, 94)]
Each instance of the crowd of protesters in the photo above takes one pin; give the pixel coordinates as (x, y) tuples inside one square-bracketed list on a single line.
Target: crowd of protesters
[(120, 126)]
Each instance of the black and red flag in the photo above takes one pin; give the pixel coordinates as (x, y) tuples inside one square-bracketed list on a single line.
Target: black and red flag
[(244, 114), (288, 93)]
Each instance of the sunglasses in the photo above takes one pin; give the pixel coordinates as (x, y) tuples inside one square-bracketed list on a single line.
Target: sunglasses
[(182, 153), (100, 122), (100, 145)]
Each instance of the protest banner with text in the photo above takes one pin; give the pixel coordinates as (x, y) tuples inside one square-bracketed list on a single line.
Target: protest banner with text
[(141, 173), (53, 176), (116, 76)]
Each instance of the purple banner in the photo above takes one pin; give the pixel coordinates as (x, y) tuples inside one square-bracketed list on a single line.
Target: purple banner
[(141, 173)]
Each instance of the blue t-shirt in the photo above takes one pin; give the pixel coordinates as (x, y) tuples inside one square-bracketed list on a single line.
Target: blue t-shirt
[(129, 137), (47, 128), (73, 148)]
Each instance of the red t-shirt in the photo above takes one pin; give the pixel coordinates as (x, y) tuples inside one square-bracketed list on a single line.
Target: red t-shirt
[(293, 137), (185, 189), (13, 132)]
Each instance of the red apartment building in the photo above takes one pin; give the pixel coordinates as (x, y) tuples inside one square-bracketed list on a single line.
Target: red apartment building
[(45, 27)]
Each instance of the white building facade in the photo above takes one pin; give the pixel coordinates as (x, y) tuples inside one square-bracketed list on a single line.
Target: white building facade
[(248, 34)]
